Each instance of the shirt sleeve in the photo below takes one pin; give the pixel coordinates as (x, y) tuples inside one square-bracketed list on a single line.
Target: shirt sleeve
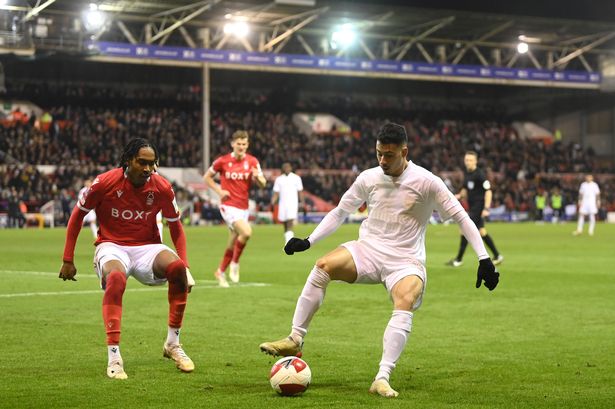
[(256, 164), (217, 165), (445, 202), (170, 210), (92, 196), (350, 202), (299, 183), (276, 185)]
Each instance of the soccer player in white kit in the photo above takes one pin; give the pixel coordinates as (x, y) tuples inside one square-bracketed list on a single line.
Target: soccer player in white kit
[(401, 197), (589, 202), (288, 193)]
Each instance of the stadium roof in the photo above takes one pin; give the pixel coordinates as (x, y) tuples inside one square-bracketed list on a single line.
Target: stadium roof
[(385, 30)]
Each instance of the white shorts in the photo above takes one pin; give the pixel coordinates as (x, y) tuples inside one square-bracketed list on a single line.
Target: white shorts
[(232, 214), (90, 217), (588, 209), (286, 213), (138, 261), (375, 266)]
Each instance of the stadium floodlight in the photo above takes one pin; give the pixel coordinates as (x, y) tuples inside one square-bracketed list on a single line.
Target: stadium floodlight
[(343, 37), (522, 48), (237, 28), (94, 19)]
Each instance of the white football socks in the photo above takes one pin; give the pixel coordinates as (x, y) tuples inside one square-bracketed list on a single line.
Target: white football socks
[(113, 354), (173, 336), (580, 223), (288, 235), (592, 224), (309, 301), (394, 341)]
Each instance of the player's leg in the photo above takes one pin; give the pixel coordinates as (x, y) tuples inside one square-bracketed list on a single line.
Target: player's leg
[(288, 230), (405, 294), (463, 242), (244, 231), (226, 259), (580, 224), (113, 281), (336, 265), (497, 257), (592, 223), (167, 265)]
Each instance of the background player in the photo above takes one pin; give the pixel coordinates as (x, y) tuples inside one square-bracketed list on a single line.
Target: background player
[(89, 218), (237, 170), (288, 193), (126, 200), (589, 203), (401, 197), (477, 189)]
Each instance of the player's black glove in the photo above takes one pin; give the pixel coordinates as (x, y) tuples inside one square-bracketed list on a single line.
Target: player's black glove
[(296, 245), (488, 274)]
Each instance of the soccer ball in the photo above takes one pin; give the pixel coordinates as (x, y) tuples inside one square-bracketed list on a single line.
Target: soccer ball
[(290, 376)]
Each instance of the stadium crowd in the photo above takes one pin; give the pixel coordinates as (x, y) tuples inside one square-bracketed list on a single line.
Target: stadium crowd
[(81, 141)]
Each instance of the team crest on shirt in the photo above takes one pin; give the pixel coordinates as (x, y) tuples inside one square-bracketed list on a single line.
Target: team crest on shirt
[(245, 165), (230, 164), (471, 184), (119, 193), (150, 199)]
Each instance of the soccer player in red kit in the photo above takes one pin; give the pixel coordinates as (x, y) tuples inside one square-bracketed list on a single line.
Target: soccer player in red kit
[(237, 170), (126, 201)]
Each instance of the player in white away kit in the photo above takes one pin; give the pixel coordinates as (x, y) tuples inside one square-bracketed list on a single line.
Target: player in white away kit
[(288, 193), (237, 170), (89, 218), (401, 197), (589, 202)]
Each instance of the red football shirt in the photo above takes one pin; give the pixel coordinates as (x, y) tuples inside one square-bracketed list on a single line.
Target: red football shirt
[(236, 177), (127, 214)]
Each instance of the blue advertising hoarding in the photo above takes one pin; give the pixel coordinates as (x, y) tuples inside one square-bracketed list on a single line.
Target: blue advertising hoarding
[(244, 58)]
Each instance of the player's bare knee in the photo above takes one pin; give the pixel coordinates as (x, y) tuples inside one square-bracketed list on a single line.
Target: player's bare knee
[(322, 264), (405, 301)]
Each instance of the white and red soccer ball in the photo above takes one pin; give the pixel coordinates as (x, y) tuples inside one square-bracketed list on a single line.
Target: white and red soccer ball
[(290, 376)]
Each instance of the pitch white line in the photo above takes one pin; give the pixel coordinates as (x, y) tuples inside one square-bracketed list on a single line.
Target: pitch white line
[(201, 285)]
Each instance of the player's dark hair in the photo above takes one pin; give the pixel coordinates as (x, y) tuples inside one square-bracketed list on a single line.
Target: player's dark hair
[(392, 133), (131, 150), (473, 153)]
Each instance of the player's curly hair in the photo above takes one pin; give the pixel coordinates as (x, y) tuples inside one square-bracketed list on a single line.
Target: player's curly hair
[(392, 133), (132, 149)]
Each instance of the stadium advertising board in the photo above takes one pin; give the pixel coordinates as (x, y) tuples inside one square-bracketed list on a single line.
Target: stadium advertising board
[(340, 64)]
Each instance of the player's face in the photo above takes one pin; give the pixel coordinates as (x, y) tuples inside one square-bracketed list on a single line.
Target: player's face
[(286, 168), (470, 161), (391, 158), (240, 146), (589, 178), (141, 166)]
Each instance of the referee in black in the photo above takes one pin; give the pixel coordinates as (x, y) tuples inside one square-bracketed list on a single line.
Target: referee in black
[(477, 189)]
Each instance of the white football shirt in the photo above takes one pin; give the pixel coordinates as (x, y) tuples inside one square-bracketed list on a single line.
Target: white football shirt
[(588, 193), (399, 209), (288, 188)]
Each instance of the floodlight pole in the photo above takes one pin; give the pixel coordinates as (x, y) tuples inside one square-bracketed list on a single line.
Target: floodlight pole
[(206, 107)]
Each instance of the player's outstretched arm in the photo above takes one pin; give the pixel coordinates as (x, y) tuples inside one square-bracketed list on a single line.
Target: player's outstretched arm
[(296, 245), (68, 270)]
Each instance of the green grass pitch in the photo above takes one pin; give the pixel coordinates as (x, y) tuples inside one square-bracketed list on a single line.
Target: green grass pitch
[(545, 338)]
